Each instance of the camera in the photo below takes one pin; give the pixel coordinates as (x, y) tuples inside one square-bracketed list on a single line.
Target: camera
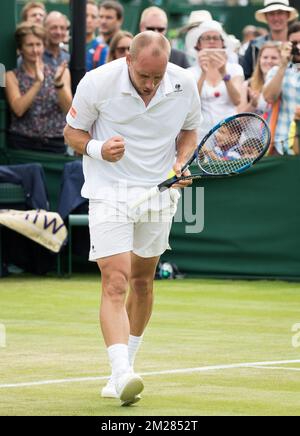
[(295, 51)]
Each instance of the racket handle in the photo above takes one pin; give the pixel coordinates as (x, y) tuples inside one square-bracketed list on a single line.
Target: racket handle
[(145, 197)]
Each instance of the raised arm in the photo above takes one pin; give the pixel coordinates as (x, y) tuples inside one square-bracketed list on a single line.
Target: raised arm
[(19, 103), (272, 90), (62, 83)]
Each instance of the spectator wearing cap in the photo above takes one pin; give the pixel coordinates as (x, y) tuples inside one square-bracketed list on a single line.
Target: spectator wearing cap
[(219, 81), (277, 15), (156, 20), (283, 88), (195, 19)]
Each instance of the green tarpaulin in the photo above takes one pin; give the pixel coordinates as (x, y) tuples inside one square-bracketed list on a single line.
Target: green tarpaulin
[(251, 225)]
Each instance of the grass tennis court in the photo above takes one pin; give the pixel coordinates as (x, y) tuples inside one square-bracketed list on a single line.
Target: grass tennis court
[(52, 334)]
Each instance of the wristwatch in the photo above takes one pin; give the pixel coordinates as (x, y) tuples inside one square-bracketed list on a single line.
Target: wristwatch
[(227, 77)]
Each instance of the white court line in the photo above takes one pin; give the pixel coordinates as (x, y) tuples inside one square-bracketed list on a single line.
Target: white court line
[(145, 374), (285, 368)]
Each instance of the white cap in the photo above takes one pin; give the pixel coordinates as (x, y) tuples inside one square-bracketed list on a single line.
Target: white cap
[(193, 35), (276, 5), (196, 18)]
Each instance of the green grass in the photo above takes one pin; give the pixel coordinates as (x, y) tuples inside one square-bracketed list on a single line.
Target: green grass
[(52, 333)]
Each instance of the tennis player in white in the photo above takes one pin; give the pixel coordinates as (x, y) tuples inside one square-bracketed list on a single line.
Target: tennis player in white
[(133, 120)]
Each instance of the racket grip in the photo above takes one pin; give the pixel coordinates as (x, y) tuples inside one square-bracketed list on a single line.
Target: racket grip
[(145, 197)]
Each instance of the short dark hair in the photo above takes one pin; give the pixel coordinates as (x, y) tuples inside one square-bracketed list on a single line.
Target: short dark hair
[(116, 6), (294, 28)]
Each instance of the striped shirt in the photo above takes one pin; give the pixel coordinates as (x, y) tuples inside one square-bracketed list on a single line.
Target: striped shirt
[(290, 99)]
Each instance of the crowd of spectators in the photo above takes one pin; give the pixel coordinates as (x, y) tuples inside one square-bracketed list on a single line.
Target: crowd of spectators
[(260, 74)]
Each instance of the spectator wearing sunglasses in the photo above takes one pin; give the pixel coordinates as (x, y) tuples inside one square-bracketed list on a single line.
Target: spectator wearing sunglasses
[(120, 46), (155, 19)]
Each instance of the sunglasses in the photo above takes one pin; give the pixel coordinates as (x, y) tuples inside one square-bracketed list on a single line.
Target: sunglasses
[(156, 29)]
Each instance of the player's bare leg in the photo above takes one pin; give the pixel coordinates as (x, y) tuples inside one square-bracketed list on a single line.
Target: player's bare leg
[(115, 271), (140, 299), (114, 323)]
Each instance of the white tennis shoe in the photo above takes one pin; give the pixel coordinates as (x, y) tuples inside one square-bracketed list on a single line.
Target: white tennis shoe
[(109, 390), (128, 387)]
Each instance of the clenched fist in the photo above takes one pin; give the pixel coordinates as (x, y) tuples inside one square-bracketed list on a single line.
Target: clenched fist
[(114, 149)]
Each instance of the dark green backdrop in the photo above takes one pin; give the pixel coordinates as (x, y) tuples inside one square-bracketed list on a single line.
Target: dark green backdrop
[(252, 225)]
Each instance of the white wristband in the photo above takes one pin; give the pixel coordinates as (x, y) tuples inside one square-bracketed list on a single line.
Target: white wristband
[(94, 148)]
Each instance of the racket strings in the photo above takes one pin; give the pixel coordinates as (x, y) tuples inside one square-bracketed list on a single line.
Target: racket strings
[(233, 146)]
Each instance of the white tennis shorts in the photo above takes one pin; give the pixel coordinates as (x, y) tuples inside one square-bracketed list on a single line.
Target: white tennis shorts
[(115, 229)]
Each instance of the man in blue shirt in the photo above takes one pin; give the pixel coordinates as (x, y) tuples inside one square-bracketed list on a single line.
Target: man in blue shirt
[(96, 50), (56, 26)]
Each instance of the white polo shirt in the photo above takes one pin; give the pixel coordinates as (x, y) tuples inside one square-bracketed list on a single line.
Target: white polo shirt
[(106, 104)]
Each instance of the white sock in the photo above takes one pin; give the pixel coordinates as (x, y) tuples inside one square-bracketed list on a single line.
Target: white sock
[(118, 358), (134, 344)]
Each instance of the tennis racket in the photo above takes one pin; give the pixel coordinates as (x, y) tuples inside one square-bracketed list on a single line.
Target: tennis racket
[(230, 148)]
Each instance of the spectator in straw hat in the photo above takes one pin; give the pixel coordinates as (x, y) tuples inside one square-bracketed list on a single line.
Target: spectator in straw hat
[(277, 15)]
